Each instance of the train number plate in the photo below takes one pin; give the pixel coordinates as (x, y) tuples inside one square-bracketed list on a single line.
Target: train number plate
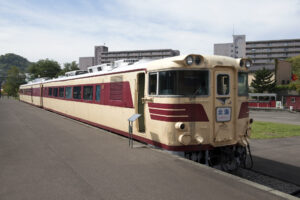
[(223, 114)]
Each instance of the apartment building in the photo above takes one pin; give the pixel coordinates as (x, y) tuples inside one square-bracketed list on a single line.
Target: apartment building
[(103, 55), (263, 53)]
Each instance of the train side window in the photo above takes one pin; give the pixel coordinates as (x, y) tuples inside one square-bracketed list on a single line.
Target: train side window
[(243, 84), (273, 98), (55, 92), (98, 93), (61, 92), (77, 92), (68, 92), (223, 84), (152, 83), (50, 92), (88, 92)]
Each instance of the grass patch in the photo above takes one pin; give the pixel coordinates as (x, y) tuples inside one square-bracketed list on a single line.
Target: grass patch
[(265, 130)]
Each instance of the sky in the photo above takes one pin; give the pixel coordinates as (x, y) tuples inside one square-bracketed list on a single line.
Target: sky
[(64, 30)]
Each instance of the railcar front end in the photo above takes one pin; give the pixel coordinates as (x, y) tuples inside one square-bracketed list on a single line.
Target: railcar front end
[(198, 106)]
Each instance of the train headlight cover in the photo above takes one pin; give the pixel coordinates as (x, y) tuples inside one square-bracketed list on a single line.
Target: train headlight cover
[(198, 60), (241, 63), (248, 63), (244, 62), (189, 60)]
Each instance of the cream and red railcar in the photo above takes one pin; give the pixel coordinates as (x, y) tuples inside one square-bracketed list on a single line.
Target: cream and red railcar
[(192, 104)]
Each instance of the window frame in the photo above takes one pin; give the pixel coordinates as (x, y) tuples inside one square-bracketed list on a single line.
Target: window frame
[(93, 96), (293, 100), (222, 95), (157, 83), (50, 94), (75, 99), (240, 95), (95, 92), (183, 96), (59, 88), (71, 97), (54, 92)]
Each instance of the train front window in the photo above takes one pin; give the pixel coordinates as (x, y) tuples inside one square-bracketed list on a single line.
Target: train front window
[(223, 84), (183, 82), (243, 84)]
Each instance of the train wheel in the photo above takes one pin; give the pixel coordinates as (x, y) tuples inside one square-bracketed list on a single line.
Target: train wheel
[(228, 162)]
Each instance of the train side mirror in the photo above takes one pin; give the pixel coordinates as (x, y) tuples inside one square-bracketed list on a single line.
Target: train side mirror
[(251, 120)]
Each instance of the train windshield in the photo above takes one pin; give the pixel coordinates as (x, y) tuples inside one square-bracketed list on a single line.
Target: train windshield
[(179, 82), (243, 84)]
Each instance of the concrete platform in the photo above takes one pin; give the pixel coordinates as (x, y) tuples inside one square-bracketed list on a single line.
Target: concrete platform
[(47, 156), (278, 158)]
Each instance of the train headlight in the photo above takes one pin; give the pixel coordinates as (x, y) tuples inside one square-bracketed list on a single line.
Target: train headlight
[(199, 139), (189, 60), (245, 63), (251, 121), (248, 63), (185, 138), (180, 126)]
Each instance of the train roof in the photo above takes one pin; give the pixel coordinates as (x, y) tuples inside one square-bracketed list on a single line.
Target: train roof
[(149, 65)]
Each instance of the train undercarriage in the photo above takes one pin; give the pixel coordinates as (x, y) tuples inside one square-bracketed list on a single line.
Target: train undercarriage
[(228, 158)]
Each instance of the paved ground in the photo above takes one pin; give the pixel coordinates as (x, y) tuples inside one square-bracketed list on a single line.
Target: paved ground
[(276, 116), (46, 156), (278, 158)]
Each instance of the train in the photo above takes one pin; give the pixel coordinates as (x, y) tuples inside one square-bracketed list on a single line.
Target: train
[(193, 105)]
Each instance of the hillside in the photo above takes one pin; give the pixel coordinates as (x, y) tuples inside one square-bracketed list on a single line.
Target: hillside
[(9, 60)]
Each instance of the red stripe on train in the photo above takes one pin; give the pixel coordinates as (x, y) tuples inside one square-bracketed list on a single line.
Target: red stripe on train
[(244, 111), (189, 112)]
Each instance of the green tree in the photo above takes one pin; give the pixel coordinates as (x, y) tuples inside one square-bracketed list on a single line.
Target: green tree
[(44, 68), (13, 81), (295, 65), (68, 67), (263, 81)]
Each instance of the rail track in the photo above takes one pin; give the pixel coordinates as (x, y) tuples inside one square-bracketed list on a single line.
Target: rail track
[(266, 180)]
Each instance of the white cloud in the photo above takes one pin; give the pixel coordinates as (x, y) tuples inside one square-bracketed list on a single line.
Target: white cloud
[(64, 33)]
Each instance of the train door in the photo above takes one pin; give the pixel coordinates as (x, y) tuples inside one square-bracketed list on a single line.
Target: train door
[(41, 95), (141, 108), (224, 104), (31, 94)]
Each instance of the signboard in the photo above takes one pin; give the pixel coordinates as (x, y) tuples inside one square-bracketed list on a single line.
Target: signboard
[(278, 104), (223, 114), (134, 117)]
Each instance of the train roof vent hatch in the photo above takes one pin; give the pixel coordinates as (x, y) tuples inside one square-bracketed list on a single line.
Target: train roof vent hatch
[(122, 63)]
